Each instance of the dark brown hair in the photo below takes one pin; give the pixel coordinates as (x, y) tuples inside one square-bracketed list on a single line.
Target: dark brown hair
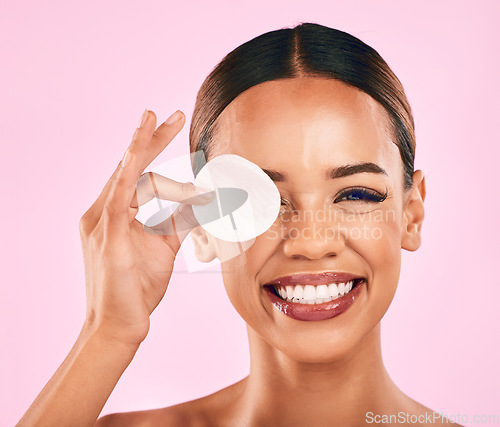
[(308, 49)]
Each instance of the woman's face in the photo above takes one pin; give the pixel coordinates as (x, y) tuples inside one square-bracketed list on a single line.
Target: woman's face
[(302, 128)]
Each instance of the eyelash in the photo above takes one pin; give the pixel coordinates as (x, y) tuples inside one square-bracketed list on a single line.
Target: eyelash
[(364, 194), (370, 196)]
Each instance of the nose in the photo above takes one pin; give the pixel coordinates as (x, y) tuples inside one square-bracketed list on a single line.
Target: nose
[(313, 239)]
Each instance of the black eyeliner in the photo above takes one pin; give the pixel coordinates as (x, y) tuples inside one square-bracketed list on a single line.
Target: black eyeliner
[(373, 195)]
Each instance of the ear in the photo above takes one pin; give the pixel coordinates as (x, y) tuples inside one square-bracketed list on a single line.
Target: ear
[(413, 213), (203, 245), (207, 247)]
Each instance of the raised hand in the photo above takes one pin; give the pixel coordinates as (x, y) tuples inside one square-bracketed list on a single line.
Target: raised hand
[(127, 265)]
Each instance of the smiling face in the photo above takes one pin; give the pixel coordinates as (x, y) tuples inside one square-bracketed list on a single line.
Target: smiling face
[(299, 131)]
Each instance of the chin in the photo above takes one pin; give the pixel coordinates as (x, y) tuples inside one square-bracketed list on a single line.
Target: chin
[(320, 352)]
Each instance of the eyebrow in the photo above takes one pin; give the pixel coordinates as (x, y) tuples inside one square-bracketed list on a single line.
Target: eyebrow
[(333, 173)]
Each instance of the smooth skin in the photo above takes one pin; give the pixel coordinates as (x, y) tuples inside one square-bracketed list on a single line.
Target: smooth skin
[(324, 373)]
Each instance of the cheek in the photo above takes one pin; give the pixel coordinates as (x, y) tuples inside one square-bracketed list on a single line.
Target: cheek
[(380, 249), (379, 240), (236, 280), (250, 257), (240, 273)]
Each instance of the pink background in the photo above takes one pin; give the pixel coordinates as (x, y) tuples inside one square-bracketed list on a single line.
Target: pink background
[(75, 78)]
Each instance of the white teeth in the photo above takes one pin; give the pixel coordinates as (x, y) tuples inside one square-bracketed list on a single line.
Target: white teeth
[(298, 292), (333, 289), (341, 288), (310, 294), (322, 291)]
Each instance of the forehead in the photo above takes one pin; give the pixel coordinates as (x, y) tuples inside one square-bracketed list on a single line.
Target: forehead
[(306, 125)]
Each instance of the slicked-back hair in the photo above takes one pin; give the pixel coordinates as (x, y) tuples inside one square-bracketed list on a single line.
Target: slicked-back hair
[(308, 49)]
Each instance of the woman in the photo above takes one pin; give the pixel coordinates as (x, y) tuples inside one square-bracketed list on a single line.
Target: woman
[(323, 114)]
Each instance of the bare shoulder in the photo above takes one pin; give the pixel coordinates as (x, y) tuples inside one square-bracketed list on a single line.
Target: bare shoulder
[(203, 412), (154, 417), (416, 413)]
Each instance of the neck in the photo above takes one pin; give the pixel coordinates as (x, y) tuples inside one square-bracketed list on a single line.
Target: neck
[(340, 392)]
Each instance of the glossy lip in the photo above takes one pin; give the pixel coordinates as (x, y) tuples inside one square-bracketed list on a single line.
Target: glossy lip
[(323, 278), (315, 312)]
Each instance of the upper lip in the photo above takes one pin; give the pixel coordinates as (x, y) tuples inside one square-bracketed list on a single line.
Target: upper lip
[(322, 278)]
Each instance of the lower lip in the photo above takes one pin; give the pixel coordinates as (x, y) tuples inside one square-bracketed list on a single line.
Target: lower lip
[(311, 312)]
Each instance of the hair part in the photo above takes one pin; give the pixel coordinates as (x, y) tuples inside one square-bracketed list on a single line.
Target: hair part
[(307, 50)]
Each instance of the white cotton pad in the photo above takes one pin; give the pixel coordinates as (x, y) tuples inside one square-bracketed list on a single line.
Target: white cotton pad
[(247, 201)]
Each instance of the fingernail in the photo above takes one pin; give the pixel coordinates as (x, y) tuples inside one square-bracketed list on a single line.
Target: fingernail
[(173, 118), (143, 118), (126, 159)]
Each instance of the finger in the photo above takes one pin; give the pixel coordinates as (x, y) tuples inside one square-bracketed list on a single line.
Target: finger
[(94, 212), (151, 185), (123, 187), (148, 121), (149, 148), (176, 227), (116, 211)]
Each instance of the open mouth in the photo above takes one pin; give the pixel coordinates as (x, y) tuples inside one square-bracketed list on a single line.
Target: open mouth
[(313, 294)]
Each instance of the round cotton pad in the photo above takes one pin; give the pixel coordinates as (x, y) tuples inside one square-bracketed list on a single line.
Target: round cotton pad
[(247, 201)]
